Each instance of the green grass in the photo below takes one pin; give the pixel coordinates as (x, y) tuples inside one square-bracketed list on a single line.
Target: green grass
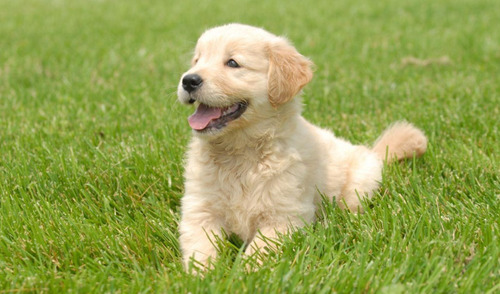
[(92, 142)]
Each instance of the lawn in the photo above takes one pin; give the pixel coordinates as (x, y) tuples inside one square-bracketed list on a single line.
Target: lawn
[(92, 142)]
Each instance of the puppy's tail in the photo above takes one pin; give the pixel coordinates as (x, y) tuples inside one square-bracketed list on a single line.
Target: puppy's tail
[(399, 141)]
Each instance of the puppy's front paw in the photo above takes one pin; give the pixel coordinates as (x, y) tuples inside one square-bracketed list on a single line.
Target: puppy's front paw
[(198, 253)]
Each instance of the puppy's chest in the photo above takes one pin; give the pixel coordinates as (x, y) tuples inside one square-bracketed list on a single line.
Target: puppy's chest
[(243, 190), (242, 196), (242, 180)]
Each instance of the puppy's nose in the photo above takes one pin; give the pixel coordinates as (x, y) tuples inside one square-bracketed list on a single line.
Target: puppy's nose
[(191, 82)]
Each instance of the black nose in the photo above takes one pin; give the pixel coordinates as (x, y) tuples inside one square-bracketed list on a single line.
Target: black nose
[(191, 82)]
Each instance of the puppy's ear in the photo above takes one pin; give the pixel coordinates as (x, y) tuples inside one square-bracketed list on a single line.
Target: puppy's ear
[(289, 72)]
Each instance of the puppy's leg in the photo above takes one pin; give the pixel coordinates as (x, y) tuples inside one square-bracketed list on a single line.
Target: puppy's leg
[(198, 234), (364, 174)]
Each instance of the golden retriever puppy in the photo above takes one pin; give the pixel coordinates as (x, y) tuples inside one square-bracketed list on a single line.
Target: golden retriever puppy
[(255, 166)]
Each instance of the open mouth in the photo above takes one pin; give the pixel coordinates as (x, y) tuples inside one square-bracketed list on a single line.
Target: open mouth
[(208, 118)]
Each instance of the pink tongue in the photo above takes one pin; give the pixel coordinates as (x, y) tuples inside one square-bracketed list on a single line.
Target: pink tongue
[(203, 115)]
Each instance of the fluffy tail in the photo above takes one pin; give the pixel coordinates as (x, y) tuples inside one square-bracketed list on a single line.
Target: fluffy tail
[(401, 140)]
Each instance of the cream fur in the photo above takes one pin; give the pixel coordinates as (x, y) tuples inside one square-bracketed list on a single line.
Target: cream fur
[(261, 173)]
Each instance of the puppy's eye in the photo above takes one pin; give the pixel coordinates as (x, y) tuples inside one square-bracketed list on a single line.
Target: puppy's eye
[(232, 63)]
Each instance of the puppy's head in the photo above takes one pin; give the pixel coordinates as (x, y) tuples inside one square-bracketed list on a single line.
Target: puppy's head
[(240, 75)]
